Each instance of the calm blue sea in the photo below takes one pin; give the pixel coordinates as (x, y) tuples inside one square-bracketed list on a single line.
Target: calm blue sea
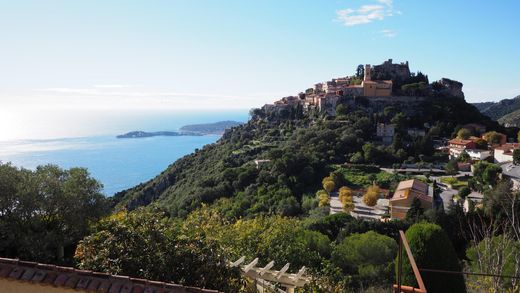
[(118, 163)]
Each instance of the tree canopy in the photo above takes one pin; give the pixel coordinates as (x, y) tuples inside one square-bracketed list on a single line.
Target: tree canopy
[(44, 213), (432, 249)]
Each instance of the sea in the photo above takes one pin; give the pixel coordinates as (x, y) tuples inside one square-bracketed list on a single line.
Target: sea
[(118, 164)]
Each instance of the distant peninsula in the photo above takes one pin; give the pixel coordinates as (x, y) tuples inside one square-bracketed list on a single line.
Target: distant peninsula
[(142, 134), (210, 128), (187, 130)]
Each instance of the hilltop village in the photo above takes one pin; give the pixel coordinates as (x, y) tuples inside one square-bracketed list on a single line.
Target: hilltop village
[(446, 180), (387, 82)]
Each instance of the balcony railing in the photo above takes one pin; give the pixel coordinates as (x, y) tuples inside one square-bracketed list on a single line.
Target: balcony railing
[(399, 287)]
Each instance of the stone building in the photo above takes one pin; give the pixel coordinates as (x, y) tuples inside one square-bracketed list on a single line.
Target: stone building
[(392, 71), (375, 88), (385, 132)]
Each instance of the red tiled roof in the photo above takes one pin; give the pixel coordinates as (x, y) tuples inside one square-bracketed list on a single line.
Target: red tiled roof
[(508, 146), (460, 141), (67, 277)]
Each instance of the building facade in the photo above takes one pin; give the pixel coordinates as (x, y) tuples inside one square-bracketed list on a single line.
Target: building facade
[(404, 196)]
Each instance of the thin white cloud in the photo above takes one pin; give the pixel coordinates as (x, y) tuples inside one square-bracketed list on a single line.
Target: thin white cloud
[(365, 13), (112, 86), (136, 98), (388, 3), (388, 33)]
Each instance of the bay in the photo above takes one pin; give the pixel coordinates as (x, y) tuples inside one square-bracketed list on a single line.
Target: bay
[(118, 164)]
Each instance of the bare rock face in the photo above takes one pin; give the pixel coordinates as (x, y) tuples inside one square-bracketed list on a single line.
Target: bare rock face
[(453, 87)]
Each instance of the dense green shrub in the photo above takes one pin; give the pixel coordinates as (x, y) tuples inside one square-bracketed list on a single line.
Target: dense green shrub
[(432, 249)]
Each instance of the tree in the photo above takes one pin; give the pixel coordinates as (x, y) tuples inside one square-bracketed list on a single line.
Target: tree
[(481, 144), (497, 255), (490, 176), (463, 133), (345, 193), (348, 206), (328, 184), (360, 71), (274, 238), (323, 198), (341, 110), (368, 257), (357, 158), (516, 156), (370, 152), (147, 244), (432, 249), (464, 191), (452, 167), (371, 195), (493, 137), (44, 213), (415, 210), (399, 120), (464, 157)]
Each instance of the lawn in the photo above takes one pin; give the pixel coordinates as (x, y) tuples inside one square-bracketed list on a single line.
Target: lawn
[(363, 176), (454, 182)]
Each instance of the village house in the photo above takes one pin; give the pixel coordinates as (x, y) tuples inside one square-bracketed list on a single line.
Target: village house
[(385, 132), (504, 153), (405, 194), (416, 132), (478, 155), (458, 146), (511, 172), (475, 197)]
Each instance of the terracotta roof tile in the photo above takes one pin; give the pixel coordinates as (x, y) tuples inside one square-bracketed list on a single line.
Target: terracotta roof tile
[(5, 270), (27, 275), (72, 282), (83, 283), (61, 279), (16, 273), (50, 277), (137, 289), (38, 276), (104, 286), (45, 274), (93, 285), (115, 287)]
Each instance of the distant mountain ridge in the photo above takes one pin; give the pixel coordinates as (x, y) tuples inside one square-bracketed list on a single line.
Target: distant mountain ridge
[(497, 110)]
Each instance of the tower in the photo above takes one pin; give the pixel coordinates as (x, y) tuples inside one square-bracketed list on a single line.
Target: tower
[(367, 76)]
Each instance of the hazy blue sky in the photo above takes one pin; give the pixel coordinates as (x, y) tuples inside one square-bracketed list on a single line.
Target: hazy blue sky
[(169, 54)]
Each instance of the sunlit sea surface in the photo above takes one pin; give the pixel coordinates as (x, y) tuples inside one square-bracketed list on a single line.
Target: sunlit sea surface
[(118, 163)]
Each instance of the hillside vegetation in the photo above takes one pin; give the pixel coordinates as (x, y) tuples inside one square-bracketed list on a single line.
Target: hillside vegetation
[(301, 149)]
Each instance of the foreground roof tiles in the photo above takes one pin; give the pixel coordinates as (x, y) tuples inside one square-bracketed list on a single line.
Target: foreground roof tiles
[(37, 274)]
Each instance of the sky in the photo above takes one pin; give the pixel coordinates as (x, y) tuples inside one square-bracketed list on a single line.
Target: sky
[(61, 56)]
